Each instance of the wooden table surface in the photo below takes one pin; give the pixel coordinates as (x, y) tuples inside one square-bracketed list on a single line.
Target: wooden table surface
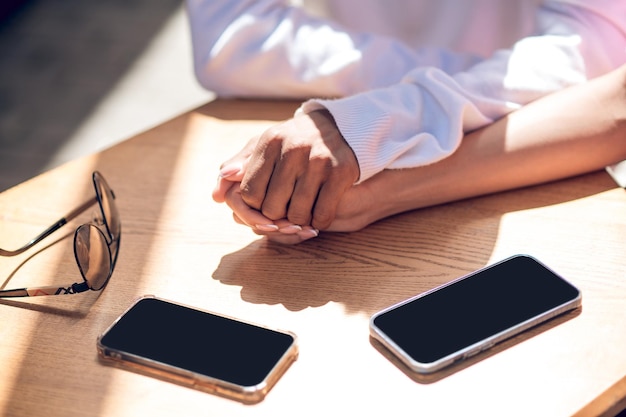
[(180, 245)]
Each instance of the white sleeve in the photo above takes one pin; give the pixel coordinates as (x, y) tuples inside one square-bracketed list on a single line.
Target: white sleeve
[(422, 119), (269, 48)]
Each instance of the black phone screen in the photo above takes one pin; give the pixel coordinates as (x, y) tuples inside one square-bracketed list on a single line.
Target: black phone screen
[(474, 308), (198, 341)]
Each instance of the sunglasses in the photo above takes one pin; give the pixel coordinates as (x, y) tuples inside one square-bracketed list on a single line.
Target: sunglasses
[(96, 245)]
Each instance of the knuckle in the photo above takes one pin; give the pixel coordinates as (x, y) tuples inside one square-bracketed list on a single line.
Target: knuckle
[(344, 174), (272, 134), (250, 196), (271, 142), (272, 212), (298, 216), (296, 149), (320, 166), (322, 218)]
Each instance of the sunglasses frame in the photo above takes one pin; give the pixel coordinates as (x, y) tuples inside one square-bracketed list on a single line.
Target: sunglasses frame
[(111, 238)]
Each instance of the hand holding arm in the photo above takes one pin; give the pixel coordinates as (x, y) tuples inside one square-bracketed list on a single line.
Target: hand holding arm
[(578, 130), (575, 131)]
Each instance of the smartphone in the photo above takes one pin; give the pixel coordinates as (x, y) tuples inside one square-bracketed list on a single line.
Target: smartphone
[(472, 313), (197, 348)]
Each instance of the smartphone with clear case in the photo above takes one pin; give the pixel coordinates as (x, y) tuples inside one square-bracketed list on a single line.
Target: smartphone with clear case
[(471, 314), (197, 348)]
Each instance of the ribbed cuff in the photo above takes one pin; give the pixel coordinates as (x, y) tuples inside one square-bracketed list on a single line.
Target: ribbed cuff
[(362, 125)]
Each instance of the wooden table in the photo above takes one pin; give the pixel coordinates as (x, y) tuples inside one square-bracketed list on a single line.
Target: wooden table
[(178, 244)]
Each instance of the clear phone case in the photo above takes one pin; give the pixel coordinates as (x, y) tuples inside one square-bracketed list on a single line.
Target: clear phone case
[(168, 372)]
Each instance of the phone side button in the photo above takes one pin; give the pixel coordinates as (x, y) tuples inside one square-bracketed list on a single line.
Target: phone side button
[(477, 350), (471, 353), (487, 346)]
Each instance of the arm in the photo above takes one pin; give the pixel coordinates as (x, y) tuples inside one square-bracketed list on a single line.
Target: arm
[(267, 48), (578, 130), (422, 119)]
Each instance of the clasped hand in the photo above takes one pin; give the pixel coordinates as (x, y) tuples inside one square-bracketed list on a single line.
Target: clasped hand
[(288, 182)]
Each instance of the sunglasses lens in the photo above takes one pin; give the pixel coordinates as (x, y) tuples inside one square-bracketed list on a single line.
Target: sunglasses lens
[(107, 203), (93, 256)]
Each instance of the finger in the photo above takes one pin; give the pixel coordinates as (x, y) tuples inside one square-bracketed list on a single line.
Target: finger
[(238, 220), (243, 155), (282, 183), (260, 229), (229, 174), (305, 193), (221, 189), (294, 239), (305, 234), (233, 170), (327, 202), (284, 239), (286, 227), (259, 171), (247, 215)]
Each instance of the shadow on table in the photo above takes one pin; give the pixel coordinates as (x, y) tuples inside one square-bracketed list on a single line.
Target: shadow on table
[(390, 260)]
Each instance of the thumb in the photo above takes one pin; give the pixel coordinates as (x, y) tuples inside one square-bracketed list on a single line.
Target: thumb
[(232, 171), (221, 188), (234, 168), (230, 175)]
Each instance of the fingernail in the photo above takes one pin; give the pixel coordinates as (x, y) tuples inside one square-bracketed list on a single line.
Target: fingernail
[(309, 233), (266, 227), (291, 229), (230, 170)]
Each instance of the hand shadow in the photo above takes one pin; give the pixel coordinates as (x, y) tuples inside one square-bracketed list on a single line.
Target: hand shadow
[(392, 259)]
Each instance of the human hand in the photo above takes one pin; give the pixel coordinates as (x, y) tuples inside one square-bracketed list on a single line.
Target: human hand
[(297, 170), (281, 230), (358, 207), (232, 171), (228, 190)]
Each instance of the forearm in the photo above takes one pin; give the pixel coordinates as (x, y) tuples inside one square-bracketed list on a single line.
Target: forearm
[(422, 119), (578, 130)]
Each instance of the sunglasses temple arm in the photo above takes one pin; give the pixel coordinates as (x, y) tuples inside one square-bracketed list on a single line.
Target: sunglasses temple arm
[(56, 226), (37, 291)]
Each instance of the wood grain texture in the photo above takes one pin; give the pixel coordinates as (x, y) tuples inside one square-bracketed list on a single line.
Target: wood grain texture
[(180, 245)]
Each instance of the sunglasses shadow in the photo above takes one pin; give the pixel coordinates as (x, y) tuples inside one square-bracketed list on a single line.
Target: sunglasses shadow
[(78, 310)]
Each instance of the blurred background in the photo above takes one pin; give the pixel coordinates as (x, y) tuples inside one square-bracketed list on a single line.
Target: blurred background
[(77, 76)]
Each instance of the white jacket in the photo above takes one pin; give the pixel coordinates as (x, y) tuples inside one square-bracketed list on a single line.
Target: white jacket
[(405, 79)]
